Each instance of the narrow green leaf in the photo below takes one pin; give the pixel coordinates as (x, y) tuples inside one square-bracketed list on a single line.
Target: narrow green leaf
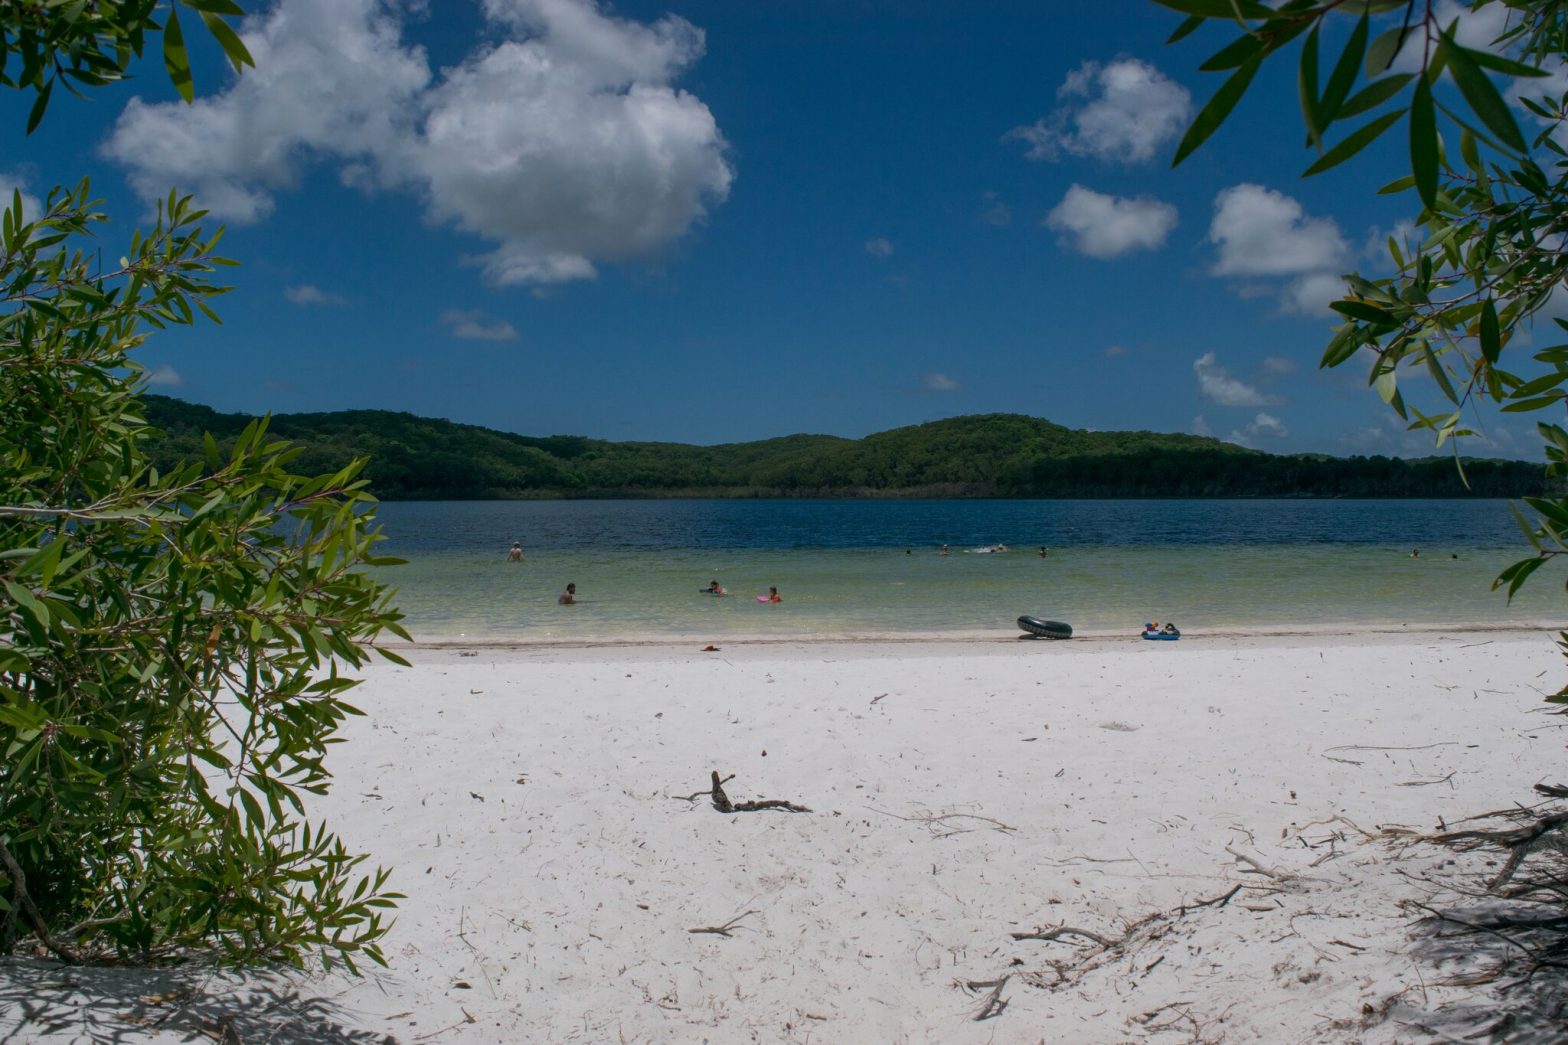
[(233, 47), (1218, 107), (1374, 94), (1186, 29), (1381, 52), (1490, 335), (1343, 78), (1480, 93), (1361, 310), (1307, 87), (1354, 142), (35, 115), (1423, 144), (175, 59)]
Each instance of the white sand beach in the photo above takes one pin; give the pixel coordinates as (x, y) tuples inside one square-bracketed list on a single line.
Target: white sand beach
[(548, 815)]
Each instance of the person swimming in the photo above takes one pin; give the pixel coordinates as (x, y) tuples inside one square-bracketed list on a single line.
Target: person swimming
[(714, 588)]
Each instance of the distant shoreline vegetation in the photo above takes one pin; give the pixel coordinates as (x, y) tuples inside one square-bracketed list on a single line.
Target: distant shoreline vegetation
[(976, 456)]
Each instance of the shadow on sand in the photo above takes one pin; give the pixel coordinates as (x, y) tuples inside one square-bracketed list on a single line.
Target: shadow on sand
[(46, 1000)]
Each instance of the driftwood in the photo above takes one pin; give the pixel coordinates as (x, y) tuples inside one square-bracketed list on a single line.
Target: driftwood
[(1518, 842), (722, 803)]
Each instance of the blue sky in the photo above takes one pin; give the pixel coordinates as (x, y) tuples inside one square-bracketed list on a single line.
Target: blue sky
[(709, 221)]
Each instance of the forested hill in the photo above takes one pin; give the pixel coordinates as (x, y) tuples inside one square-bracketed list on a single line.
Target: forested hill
[(983, 455)]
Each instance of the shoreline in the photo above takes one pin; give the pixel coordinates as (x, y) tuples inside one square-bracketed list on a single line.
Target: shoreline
[(1338, 630)]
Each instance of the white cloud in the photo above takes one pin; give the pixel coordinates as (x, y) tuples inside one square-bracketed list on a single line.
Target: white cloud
[(879, 247), (935, 382), (1278, 366), (1264, 426), (164, 376), (11, 183), (1215, 383), (1311, 294), (564, 142), (1112, 351), (310, 294), (1104, 226), (1200, 426), (473, 325), (1121, 112), (1261, 232)]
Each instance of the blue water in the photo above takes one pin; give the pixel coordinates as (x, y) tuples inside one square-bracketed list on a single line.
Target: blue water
[(842, 567)]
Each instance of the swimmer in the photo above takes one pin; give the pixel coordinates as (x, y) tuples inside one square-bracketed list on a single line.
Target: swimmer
[(713, 588), (568, 597), (773, 595), (1043, 551), (1415, 553), (943, 552), (516, 554)]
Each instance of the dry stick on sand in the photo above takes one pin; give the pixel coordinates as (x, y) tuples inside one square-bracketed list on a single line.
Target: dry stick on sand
[(727, 929), (994, 1004), (722, 802), (941, 825)]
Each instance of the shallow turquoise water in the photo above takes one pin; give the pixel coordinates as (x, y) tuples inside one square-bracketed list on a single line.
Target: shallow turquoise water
[(638, 566)]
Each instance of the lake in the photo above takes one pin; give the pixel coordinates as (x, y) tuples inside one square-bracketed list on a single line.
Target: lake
[(873, 567)]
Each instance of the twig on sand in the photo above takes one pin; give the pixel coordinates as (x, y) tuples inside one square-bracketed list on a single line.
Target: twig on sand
[(699, 794), (945, 825), (994, 1004), (878, 697), (722, 803), (1064, 930), (1218, 901), (1427, 783), (727, 929), (1253, 867)]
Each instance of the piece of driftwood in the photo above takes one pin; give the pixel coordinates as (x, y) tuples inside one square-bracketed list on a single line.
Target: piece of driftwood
[(722, 803)]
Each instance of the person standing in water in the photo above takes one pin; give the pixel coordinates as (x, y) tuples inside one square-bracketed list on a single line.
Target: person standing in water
[(773, 595), (516, 554), (943, 552), (568, 597)]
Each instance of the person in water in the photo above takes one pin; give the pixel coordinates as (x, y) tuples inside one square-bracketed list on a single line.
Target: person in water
[(714, 588), (1043, 552), (1415, 553), (943, 552), (568, 597), (516, 554), (773, 595)]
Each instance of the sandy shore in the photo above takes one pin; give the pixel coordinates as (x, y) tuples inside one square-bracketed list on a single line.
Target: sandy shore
[(533, 801)]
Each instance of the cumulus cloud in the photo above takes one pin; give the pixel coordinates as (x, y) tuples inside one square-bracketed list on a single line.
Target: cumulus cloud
[(563, 140), (935, 382), (473, 325), (1278, 366), (1200, 426), (1310, 295), (879, 247), (1215, 383), (1120, 112), (1112, 351), (310, 294), (1264, 426), (164, 376), (1261, 232), (1104, 226)]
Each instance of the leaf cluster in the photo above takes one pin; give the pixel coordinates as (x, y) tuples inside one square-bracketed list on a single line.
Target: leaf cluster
[(91, 43), (171, 641)]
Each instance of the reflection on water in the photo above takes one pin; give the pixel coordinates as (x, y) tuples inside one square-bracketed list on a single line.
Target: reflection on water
[(842, 567)]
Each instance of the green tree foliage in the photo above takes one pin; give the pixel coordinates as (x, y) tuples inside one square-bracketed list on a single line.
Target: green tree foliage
[(988, 455), (171, 640), (1492, 202)]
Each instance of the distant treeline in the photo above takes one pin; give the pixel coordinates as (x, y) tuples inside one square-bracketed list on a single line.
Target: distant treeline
[(983, 455)]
